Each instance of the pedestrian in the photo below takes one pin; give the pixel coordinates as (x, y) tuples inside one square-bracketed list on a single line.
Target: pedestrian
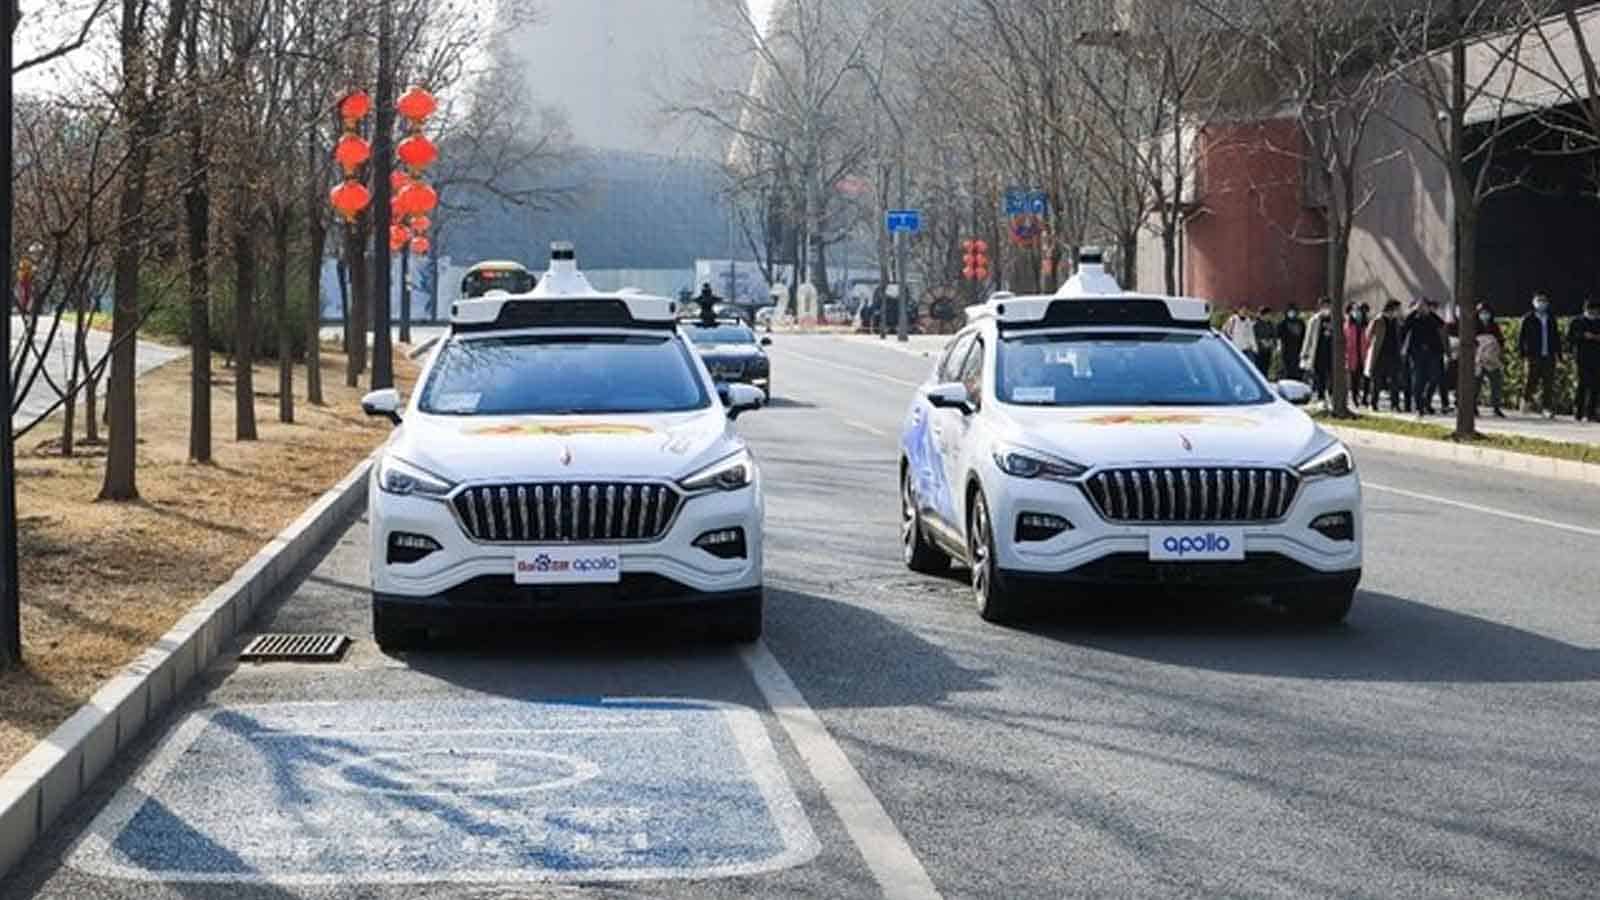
[(1490, 359), (1266, 340), (1355, 353), (1240, 330), (1423, 347), (1539, 343), (1584, 334), (1291, 335), (1316, 354), (1452, 355), (1383, 356)]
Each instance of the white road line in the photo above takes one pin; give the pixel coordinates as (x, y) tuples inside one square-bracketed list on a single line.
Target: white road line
[(1486, 510), (894, 865), (856, 369), (862, 426)]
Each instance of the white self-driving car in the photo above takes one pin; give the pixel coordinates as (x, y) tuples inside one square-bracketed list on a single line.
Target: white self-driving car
[(566, 451), (1096, 440)]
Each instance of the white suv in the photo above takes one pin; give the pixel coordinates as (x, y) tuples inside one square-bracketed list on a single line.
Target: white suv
[(566, 452), (1097, 439)]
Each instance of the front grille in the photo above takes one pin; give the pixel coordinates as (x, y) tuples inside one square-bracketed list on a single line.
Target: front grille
[(567, 512), (1193, 494)]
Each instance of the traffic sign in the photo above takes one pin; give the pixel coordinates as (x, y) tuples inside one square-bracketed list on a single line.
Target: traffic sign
[(1038, 203), (909, 220), (1016, 201)]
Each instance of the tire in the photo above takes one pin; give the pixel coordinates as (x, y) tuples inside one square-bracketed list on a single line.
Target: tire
[(1327, 607), (740, 621), (391, 633), (997, 599), (919, 553)]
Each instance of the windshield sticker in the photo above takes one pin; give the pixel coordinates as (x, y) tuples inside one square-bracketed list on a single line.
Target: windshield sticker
[(1169, 419), (464, 402), (1046, 394), (539, 429)]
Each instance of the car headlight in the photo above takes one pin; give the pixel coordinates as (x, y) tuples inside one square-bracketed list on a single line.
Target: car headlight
[(1332, 461), (396, 476), (728, 474), (1021, 463)]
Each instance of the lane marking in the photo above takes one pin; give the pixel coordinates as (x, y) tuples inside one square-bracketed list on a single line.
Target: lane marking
[(856, 369), (894, 865), (862, 426), (1486, 510)]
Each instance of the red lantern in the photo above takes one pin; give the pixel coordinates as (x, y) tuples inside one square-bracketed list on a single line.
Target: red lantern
[(969, 273), (416, 199), (420, 245), (354, 107), (981, 246), (397, 182), (398, 235), (420, 224), (349, 199), (417, 152), (395, 215), (351, 152), (416, 104)]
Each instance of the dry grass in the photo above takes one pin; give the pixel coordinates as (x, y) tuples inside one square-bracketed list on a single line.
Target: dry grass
[(102, 581)]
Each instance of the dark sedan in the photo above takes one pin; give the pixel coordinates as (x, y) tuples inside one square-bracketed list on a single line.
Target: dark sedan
[(732, 352)]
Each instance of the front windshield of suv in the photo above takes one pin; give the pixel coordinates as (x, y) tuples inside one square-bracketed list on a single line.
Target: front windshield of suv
[(1124, 369), (719, 334), (556, 375)]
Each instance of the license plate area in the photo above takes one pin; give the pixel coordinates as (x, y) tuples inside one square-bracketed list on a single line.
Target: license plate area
[(567, 565), (1198, 544)]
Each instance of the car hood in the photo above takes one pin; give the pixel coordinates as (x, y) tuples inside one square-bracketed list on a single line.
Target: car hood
[(1274, 434), (473, 448)]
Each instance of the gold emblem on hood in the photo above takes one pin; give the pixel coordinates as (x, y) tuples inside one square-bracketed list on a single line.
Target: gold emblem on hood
[(539, 429)]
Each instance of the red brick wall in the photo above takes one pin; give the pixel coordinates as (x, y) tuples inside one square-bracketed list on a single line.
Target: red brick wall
[(1241, 245)]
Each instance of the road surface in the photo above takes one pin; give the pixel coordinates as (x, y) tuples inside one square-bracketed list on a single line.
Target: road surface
[(58, 355), (881, 739)]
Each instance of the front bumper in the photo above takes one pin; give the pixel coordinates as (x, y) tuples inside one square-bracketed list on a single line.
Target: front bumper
[(460, 562), (1281, 554), (497, 598)]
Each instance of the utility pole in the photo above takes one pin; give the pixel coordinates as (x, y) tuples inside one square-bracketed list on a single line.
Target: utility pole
[(903, 327), (383, 200), (10, 593)]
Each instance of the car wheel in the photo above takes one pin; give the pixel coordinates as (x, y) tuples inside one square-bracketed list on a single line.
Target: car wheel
[(1327, 607), (392, 633), (995, 596), (740, 621), (919, 553)]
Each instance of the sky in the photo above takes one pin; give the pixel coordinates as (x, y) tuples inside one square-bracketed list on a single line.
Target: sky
[(760, 11)]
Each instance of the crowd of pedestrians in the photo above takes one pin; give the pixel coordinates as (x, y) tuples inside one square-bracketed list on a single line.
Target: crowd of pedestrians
[(1412, 357)]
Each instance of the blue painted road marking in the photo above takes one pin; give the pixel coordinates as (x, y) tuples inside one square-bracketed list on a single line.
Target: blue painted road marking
[(454, 790)]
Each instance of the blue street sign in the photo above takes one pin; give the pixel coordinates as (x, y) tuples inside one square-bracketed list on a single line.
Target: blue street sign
[(1038, 203), (1016, 201), (909, 220)]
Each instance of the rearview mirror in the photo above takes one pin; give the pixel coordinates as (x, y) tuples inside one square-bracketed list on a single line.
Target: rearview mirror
[(384, 402), (766, 342), (1296, 392), (953, 395), (740, 398)]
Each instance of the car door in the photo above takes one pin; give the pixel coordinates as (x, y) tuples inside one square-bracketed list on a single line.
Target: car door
[(924, 445), (955, 432)]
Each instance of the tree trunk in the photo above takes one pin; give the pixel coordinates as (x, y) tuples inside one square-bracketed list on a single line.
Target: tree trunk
[(342, 270), (244, 331), (317, 239), (405, 296), (197, 222), (1128, 251), (361, 293), (280, 302), (1466, 324), (1169, 253), (91, 404), (80, 364), (1338, 259), (382, 165)]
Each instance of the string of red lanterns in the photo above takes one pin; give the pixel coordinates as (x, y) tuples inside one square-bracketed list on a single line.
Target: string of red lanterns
[(414, 199)]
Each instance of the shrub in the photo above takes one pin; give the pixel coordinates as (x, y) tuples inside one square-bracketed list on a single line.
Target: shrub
[(165, 297), (1517, 368)]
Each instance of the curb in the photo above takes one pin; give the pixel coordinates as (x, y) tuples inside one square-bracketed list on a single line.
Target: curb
[(35, 791), (1447, 451)]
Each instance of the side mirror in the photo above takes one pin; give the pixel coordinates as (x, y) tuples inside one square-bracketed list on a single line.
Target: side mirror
[(1296, 392), (385, 402), (740, 398), (766, 342), (953, 395)]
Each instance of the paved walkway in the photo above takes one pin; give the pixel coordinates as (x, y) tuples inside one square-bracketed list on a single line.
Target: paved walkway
[(1561, 428), (59, 353)]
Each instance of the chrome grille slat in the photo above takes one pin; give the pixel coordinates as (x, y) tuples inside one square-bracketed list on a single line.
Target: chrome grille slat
[(1184, 495), (524, 521), (594, 512), (627, 507), (566, 512), (611, 510), (488, 514)]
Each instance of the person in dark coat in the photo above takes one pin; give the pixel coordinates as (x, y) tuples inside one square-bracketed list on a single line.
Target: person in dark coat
[(1291, 336), (1584, 335), (1423, 346), (1266, 340), (1383, 356), (1540, 346)]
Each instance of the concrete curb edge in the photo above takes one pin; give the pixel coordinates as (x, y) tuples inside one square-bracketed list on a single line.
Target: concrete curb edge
[(1447, 451), (55, 773)]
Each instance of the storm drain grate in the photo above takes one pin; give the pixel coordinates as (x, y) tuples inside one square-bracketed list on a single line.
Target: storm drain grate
[(295, 648)]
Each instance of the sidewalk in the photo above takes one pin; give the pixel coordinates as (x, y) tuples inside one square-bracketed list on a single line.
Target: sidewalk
[(1561, 429)]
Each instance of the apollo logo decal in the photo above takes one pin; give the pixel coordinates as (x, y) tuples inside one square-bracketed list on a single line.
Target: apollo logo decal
[(1208, 543)]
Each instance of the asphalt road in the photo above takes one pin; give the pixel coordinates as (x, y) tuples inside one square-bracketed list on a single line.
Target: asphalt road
[(1444, 742), (58, 363)]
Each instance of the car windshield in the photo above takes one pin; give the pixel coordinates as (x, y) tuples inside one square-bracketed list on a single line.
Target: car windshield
[(1124, 369), (550, 375), (719, 334)]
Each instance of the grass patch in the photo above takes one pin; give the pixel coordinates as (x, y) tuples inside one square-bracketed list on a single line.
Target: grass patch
[(103, 581), (1587, 453)]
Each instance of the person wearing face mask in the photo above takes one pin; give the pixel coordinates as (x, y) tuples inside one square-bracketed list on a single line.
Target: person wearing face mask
[(1355, 353), (1584, 335), (1382, 365), (1266, 340), (1490, 359), (1291, 337), (1317, 352), (1423, 345), (1540, 345)]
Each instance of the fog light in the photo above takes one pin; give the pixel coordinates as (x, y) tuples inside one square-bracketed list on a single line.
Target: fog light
[(1339, 526), (405, 547), (1040, 526), (726, 543)]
